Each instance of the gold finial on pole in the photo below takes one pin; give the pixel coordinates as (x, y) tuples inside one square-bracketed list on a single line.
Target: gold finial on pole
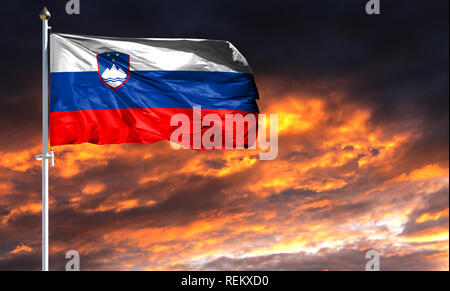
[(45, 14)]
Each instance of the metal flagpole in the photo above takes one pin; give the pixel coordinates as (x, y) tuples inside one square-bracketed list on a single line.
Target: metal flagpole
[(46, 155)]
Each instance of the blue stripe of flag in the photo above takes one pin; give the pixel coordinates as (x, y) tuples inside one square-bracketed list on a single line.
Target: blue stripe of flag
[(73, 91)]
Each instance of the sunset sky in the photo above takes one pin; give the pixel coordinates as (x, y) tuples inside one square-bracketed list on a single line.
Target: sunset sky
[(363, 145)]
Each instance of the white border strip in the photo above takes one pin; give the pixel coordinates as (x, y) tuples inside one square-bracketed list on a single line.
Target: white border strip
[(77, 53)]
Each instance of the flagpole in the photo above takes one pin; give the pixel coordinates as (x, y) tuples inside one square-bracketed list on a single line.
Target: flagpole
[(45, 156)]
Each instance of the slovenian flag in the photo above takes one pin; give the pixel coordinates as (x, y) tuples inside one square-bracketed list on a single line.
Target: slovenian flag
[(107, 90)]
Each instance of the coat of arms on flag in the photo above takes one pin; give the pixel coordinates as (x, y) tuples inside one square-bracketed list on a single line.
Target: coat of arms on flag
[(113, 69)]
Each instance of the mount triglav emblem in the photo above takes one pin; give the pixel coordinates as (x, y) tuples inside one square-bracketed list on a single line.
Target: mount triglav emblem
[(113, 69)]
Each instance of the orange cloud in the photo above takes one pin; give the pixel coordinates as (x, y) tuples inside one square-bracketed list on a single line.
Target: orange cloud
[(20, 249), (20, 161), (432, 216), (314, 197), (429, 235), (93, 189), (428, 172)]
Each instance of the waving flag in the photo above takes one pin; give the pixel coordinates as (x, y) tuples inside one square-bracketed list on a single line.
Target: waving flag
[(121, 90)]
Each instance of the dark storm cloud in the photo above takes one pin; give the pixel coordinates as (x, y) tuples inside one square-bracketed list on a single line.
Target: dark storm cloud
[(181, 198), (432, 204), (21, 262), (326, 259)]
